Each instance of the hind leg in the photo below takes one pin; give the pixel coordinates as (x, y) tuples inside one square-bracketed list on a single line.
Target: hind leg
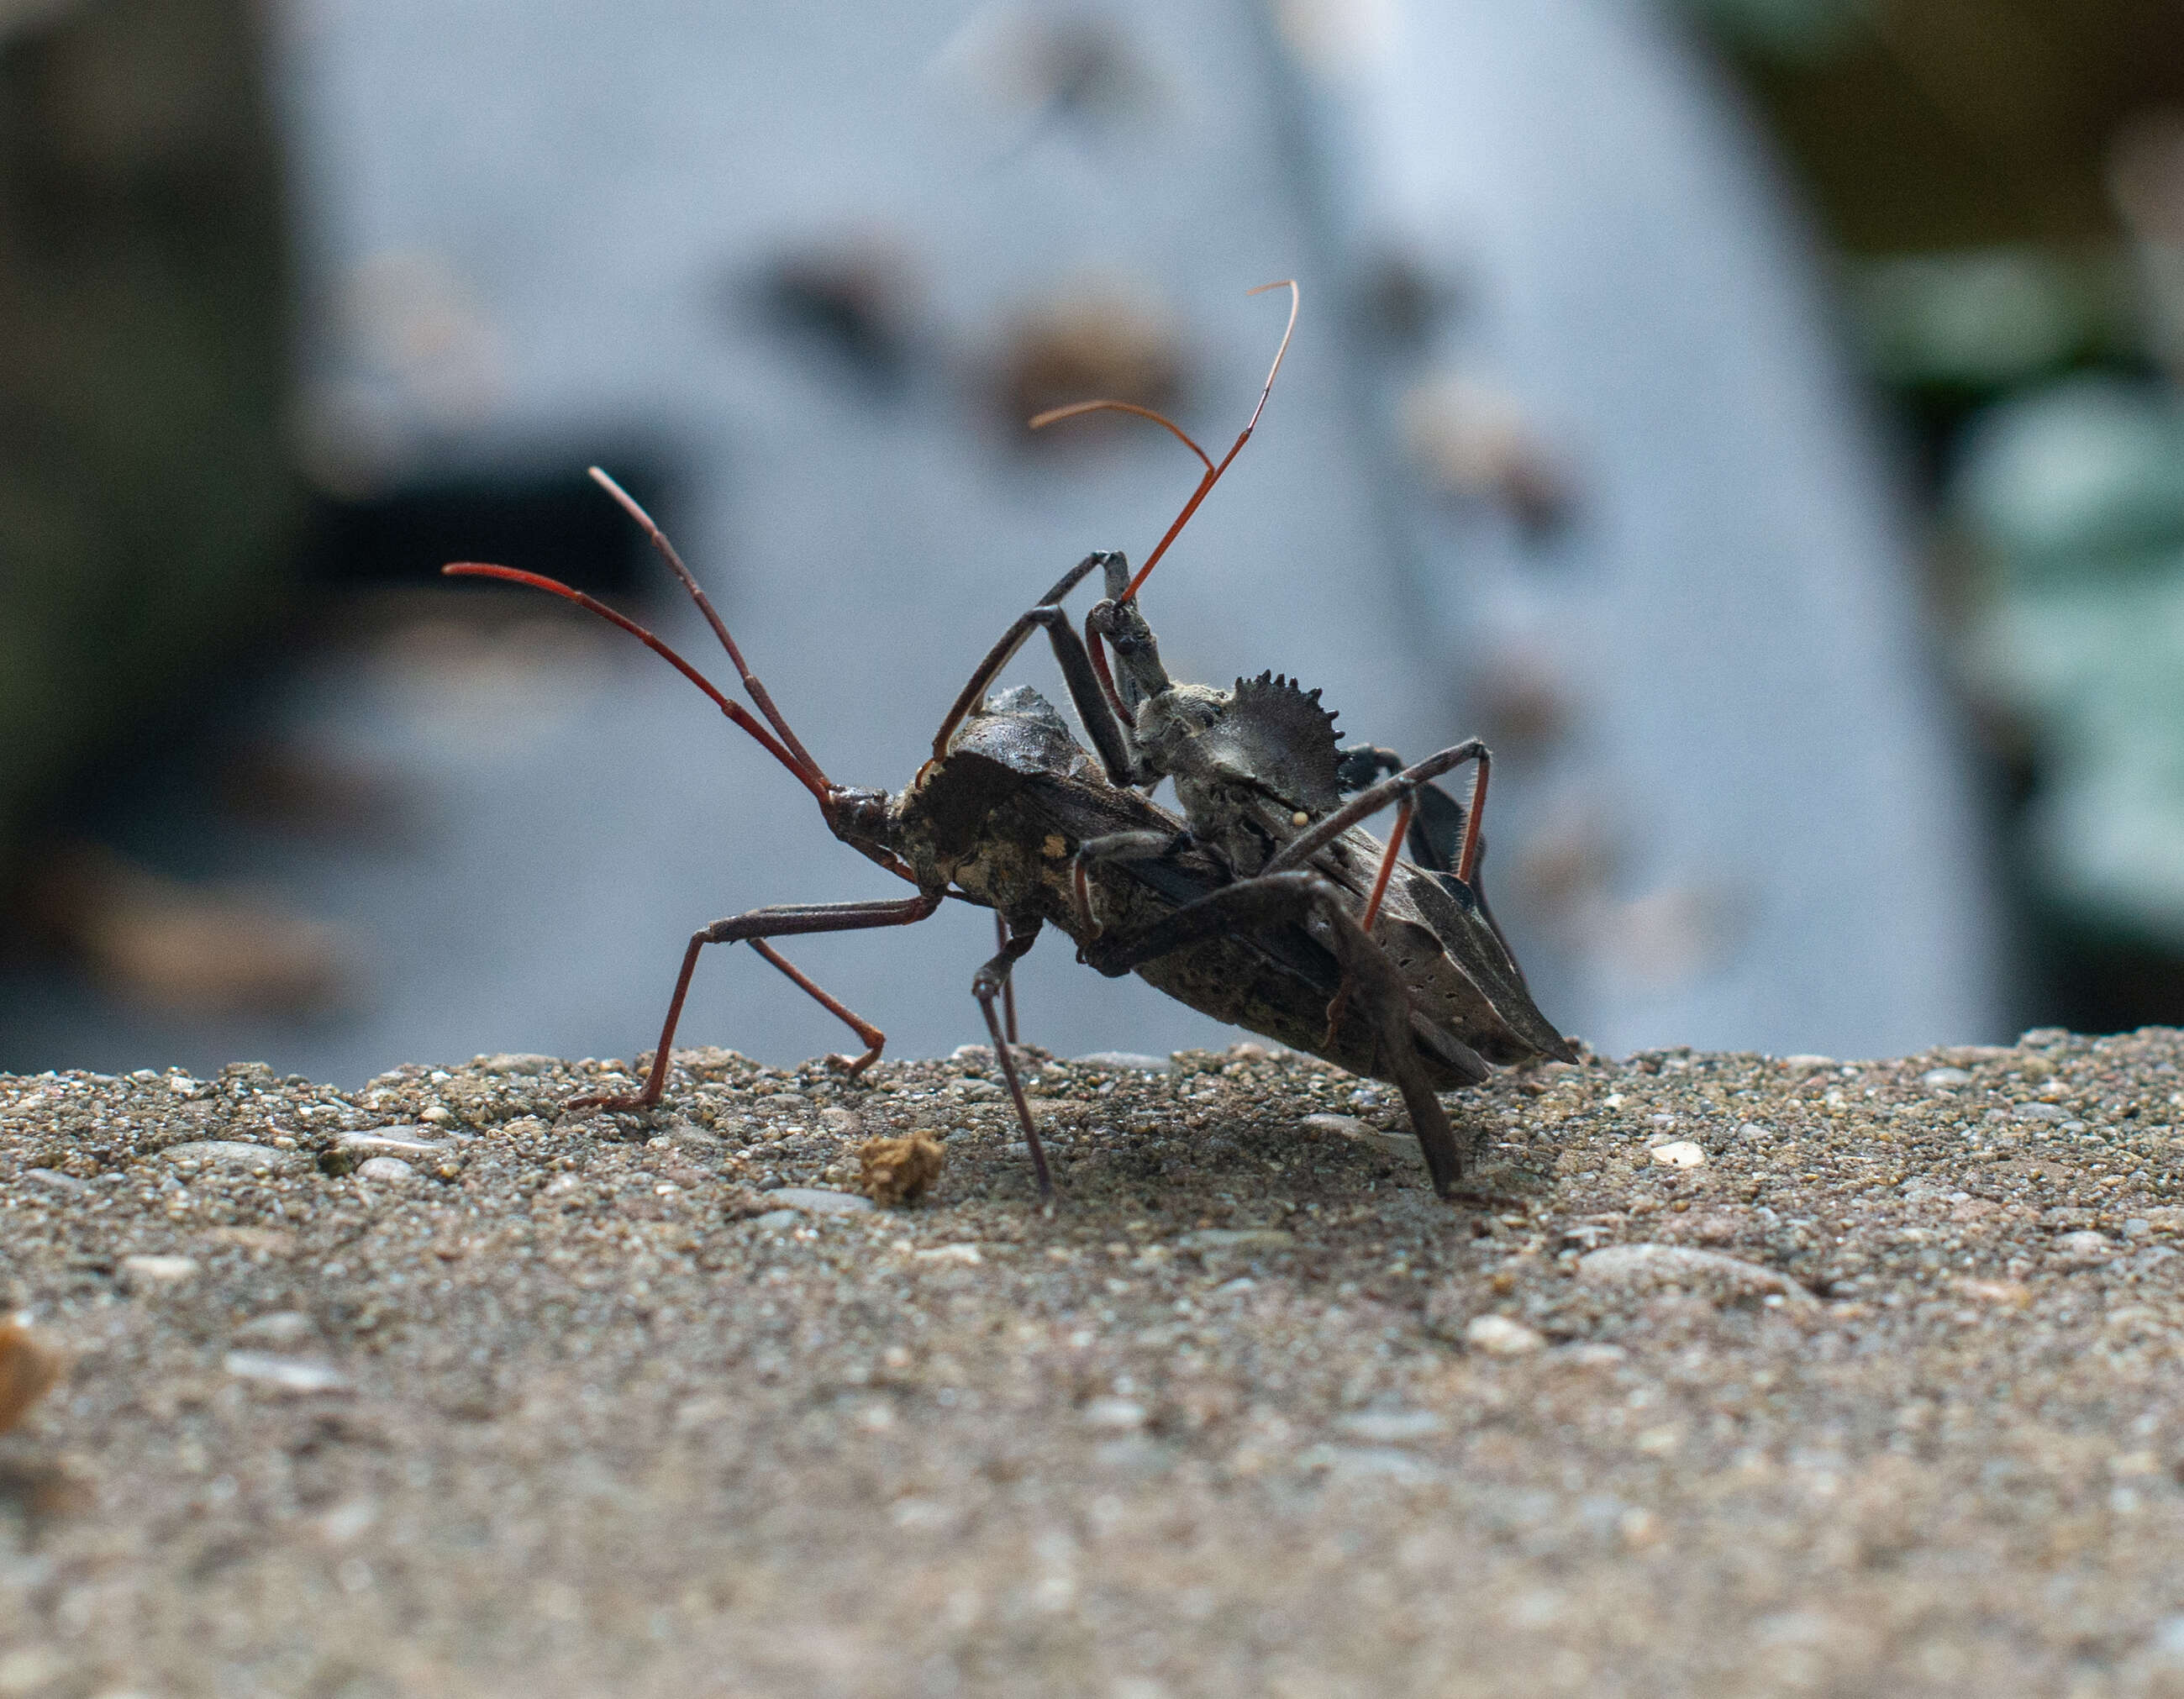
[(1373, 985)]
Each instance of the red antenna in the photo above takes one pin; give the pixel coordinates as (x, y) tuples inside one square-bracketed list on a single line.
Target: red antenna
[(758, 694), (1213, 472), (807, 773)]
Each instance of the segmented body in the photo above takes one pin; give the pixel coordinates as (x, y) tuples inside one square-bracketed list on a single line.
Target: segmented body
[(1002, 818)]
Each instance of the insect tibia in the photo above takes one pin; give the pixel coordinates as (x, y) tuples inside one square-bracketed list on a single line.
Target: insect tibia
[(1138, 674)]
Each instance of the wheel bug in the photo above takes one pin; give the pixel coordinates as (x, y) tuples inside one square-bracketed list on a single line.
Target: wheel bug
[(1003, 815)]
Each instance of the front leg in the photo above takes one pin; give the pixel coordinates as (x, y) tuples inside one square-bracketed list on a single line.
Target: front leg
[(1436, 833), (1117, 846), (783, 921), (1445, 838), (1110, 737), (1372, 983)]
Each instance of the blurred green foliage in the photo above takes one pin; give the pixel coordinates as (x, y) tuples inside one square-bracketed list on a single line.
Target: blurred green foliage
[(145, 508)]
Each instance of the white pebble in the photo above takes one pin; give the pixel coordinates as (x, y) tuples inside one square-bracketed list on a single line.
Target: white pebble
[(1945, 1078), (1236, 1238), (1677, 1265), (352, 1150), (1126, 1062), (284, 1374), (816, 1201), (1402, 1146), (158, 1271), (1679, 1153), (277, 1327), (227, 1153), (1118, 1414), (1499, 1336), (388, 1170)]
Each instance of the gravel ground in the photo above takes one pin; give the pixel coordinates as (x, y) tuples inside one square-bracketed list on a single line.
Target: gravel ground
[(1742, 1375)]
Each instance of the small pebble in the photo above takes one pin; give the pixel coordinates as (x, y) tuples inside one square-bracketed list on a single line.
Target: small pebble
[(1679, 1153), (1364, 1462), (284, 1374), (1236, 1238), (1945, 1078), (157, 1270), (1120, 1415), (390, 1170), (29, 1367), (54, 1181), (1402, 1146), (1499, 1336), (352, 1150), (2013, 1294), (2039, 1111), (517, 1062), (348, 1520), (1126, 1062), (279, 1328), (813, 1200), (227, 1153), (2166, 1642), (31, 1670), (1393, 1427), (2085, 1246), (1677, 1265)]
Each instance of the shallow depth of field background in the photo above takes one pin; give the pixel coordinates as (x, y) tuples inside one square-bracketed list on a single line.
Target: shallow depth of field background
[(1755, 418)]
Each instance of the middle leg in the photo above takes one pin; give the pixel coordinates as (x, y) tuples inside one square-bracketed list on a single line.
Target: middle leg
[(987, 985)]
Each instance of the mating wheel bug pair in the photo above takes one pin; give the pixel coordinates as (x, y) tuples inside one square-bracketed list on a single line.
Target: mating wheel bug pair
[(1266, 904)]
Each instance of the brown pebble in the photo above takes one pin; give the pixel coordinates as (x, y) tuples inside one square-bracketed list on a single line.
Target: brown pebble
[(898, 1170), (28, 1369)]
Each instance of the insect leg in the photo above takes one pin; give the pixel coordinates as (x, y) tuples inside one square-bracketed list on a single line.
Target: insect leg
[(1436, 833), (1117, 846), (1375, 797), (1108, 736), (783, 921), (1373, 983), (1009, 986), (987, 984), (1444, 838), (1388, 858)]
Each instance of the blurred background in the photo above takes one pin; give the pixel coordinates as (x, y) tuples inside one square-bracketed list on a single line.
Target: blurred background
[(1757, 418)]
